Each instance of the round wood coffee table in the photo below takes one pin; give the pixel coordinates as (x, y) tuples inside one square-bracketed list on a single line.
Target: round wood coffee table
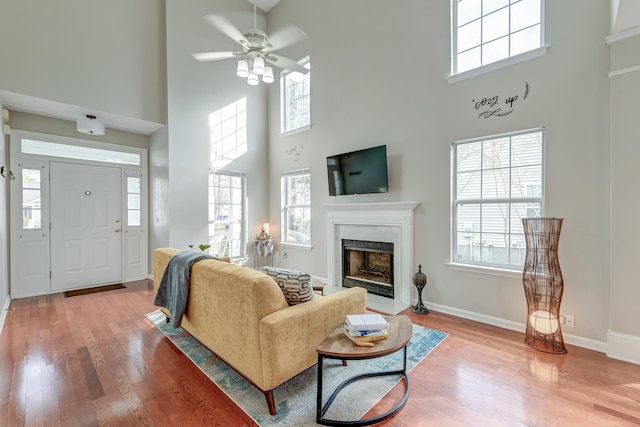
[(338, 346)]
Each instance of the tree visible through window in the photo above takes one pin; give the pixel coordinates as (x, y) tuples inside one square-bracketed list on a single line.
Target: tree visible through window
[(295, 99), (296, 207), (227, 235), (486, 31), (497, 181)]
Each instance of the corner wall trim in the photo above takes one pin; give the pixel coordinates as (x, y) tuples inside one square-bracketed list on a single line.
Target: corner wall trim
[(5, 310), (623, 347)]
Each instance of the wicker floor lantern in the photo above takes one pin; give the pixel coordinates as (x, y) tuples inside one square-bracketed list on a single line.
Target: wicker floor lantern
[(543, 284)]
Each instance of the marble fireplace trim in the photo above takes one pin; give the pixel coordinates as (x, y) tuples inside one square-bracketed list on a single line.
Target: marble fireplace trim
[(391, 222)]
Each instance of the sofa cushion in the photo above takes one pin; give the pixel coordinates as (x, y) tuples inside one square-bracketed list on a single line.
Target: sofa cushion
[(295, 285)]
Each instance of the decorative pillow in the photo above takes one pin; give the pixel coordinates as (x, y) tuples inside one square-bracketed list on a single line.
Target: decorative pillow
[(295, 285)]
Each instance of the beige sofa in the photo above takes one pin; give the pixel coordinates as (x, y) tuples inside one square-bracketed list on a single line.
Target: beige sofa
[(242, 316)]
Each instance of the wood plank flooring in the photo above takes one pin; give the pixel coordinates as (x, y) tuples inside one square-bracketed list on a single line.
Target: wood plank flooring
[(94, 360)]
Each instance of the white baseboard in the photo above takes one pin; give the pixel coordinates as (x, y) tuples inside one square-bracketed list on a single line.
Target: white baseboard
[(587, 343), (632, 346), (623, 347), (5, 310)]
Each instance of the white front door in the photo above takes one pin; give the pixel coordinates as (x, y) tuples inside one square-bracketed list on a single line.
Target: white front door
[(86, 225)]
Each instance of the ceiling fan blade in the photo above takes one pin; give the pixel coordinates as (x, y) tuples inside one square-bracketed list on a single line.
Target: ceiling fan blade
[(227, 28), (286, 36), (286, 63), (214, 56)]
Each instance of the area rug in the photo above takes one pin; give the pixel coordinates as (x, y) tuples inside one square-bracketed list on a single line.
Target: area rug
[(296, 399), (93, 290)]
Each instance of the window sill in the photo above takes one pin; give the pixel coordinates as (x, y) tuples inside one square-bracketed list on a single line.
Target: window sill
[(297, 130), (499, 64), (492, 271), (296, 246)]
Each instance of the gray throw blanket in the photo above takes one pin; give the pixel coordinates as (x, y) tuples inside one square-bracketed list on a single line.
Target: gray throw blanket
[(173, 291)]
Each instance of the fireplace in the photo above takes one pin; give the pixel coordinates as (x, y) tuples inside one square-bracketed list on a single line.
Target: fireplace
[(390, 222), (369, 265)]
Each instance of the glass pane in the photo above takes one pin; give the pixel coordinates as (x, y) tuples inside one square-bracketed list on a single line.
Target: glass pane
[(495, 51), (489, 6), (494, 248), (133, 201), (133, 218), (469, 60), (525, 40), (468, 185), (496, 153), (526, 181), (495, 183), (468, 233), (30, 178), (31, 219), (526, 149), (495, 25), (468, 10), (77, 152), (469, 36), (31, 199), (133, 185), (495, 219), (525, 13), (468, 156)]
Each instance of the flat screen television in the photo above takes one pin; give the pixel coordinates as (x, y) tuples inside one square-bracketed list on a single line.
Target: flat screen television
[(358, 172)]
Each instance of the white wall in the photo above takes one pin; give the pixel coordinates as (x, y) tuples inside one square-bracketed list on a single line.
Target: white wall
[(105, 56), (4, 230), (195, 90), (379, 76), (625, 204)]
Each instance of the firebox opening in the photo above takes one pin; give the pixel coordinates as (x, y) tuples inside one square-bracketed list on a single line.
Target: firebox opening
[(368, 265)]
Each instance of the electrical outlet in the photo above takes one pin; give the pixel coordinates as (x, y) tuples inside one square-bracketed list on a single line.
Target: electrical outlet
[(285, 255), (569, 320)]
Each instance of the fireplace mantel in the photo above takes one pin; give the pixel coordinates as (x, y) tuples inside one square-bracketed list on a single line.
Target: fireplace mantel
[(386, 222)]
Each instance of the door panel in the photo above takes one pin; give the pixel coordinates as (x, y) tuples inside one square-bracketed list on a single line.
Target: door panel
[(86, 240), (29, 230)]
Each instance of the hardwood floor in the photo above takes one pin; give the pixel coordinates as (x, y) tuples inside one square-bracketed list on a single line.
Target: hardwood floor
[(95, 360)]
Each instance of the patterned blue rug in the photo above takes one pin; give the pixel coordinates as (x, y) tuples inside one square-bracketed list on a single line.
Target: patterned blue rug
[(296, 399)]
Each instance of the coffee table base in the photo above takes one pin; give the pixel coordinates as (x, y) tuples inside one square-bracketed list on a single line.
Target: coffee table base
[(322, 410)]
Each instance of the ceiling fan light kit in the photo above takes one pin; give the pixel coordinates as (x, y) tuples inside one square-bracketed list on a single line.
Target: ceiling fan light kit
[(257, 49)]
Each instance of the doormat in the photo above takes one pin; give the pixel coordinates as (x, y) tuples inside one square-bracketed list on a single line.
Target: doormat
[(93, 290)]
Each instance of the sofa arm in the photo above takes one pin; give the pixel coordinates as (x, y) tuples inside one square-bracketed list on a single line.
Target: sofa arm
[(289, 337)]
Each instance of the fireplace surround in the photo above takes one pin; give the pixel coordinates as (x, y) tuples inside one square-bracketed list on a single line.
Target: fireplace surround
[(390, 222)]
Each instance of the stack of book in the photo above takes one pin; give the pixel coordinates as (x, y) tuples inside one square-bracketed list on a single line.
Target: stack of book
[(364, 329)]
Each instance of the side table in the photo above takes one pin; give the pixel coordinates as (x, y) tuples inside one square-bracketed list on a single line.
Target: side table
[(338, 346)]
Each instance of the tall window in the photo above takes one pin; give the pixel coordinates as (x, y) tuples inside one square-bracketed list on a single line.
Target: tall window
[(486, 31), (227, 235), (295, 99), (296, 207), (497, 181)]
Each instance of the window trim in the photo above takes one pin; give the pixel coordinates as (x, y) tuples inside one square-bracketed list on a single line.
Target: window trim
[(480, 266), (305, 62), (283, 209), (456, 76)]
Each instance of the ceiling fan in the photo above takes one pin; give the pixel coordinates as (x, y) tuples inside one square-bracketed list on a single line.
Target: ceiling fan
[(257, 49)]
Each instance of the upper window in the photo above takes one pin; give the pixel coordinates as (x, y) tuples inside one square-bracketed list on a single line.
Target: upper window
[(296, 207), (486, 31), (497, 181), (227, 215), (295, 99)]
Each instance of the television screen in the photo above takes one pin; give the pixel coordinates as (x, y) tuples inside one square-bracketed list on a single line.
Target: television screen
[(358, 172)]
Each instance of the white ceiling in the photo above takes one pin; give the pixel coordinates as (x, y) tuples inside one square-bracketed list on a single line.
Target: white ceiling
[(627, 16), (265, 5)]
